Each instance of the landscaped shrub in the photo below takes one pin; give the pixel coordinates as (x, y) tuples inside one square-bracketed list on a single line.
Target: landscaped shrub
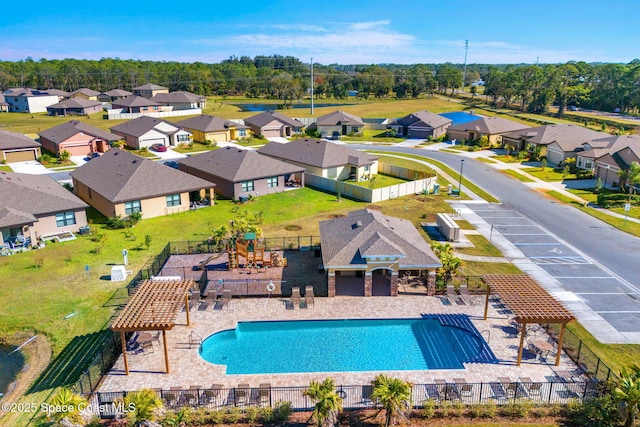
[(429, 408), (611, 200), (599, 412), (483, 410), (277, 415), (520, 409), (119, 222)]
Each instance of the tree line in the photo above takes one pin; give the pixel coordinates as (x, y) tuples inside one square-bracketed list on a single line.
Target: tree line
[(533, 88)]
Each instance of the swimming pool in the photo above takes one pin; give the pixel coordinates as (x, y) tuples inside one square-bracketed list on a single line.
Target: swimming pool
[(460, 117), (342, 345)]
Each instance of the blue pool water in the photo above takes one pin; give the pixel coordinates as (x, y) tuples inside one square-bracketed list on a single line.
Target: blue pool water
[(460, 117), (342, 345)]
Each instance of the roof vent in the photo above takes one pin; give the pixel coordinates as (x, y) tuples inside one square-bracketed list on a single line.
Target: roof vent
[(358, 224)]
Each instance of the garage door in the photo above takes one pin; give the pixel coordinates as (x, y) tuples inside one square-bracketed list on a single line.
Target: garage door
[(271, 133), (420, 132), (20, 156), (77, 150), (150, 142), (555, 157)]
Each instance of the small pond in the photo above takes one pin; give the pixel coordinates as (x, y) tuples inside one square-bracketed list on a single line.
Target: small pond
[(267, 107), (10, 366)]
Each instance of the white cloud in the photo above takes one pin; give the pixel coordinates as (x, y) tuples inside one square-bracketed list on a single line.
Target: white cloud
[(358, 26)]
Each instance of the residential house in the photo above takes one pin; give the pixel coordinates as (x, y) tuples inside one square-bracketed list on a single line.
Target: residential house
[(600, 147), (85, 93), (338, 123), (149, 90), (121, 183), (79, 139), (239, 172), (365, 253), (181, 100), (35, 206), (113, 95), (16, 147), (137, 104), (214, 129), (26, 100), (74, 107), (323, 158), (421, 124), (272, 124), (4, 105), (619, 158), (146, 131), (491, 127), (62, 94), (567, 140)]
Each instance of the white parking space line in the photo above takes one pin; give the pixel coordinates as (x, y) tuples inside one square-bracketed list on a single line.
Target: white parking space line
[(584, 277)]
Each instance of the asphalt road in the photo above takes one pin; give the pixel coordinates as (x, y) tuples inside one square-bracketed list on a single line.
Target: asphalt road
[(615, 251)]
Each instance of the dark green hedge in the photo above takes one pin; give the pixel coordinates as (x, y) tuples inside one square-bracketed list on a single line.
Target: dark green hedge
[(615, 200)]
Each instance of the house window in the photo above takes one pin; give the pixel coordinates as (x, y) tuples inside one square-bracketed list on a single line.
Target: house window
[(366, 168), (131, 207), (65, 218), (173, 200), (272, 182), (242, 133), (247, 186), (183, 138), (588, 164)]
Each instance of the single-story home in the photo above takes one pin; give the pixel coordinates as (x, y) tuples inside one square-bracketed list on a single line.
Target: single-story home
[(491, 127), (113, 95), (85, 93), (568, 140), (137, 104), (338, 123), (272, 124), (600, 147), (146, 131), (365, 252), (421, 124), (215, 129), (61, 94), (181, 100), (609, 165), (16, 147), (121, 183), (75, 107), (78, 138), (324, 158), (35, 206), (239, 172), (149, 90)]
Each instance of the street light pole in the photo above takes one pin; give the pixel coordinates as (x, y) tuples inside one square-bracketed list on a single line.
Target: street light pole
[(606, 175), (460, 180)]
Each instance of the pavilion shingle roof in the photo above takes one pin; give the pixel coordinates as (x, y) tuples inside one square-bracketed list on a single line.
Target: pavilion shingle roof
[(318, 153), (529, 301)]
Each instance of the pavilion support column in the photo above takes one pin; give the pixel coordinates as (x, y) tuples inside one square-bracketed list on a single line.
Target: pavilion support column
[(486, 302), (368, 284), (523, 332), (560, 340), (186, 306), (331, 284), (431, 283), (166, 350), (393, 291), (124, 353)]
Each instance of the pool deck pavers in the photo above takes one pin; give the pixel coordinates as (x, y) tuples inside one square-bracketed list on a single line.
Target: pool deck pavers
[(189, 369)]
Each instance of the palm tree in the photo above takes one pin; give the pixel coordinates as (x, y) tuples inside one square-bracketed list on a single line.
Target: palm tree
[(630, 177), (450, 262), (68, 406), (141, 406), (627, 391), (327, 401), (393, 394)]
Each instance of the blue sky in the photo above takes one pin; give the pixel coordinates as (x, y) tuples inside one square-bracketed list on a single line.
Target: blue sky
[(330, 31)]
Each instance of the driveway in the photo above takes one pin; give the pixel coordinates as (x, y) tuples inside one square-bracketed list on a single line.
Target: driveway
[(168, 155), (32, 167)]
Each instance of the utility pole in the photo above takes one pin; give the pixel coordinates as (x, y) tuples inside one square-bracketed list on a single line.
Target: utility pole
[(311, 86), (464, 73)]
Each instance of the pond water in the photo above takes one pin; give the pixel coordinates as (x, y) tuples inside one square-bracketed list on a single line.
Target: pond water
[(10, 366), (267, 107)]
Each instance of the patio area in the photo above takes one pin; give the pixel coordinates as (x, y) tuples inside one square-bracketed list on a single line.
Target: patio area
[(188, 369)]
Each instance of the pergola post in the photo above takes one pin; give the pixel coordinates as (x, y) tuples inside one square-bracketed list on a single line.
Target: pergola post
[(521, 348), (560, 339), (186, 297), (486, 302), (166, 350), (124, 353)]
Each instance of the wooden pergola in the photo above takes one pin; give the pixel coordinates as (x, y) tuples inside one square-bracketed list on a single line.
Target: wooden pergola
[(529, 302), (154, 307)]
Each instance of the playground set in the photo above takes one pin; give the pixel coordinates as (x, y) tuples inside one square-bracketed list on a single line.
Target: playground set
[(247, 252)]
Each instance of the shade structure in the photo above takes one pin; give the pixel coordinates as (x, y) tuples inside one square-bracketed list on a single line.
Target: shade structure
[(154, 307), (529, 302)]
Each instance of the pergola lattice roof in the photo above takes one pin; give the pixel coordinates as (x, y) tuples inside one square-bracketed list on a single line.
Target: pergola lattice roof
[(154, 306), (529, 301)]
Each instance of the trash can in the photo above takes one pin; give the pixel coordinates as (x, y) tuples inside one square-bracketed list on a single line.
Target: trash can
[(436, 188), (450, 189)]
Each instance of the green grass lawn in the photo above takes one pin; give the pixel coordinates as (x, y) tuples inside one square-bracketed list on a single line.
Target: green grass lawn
[(379, 181), (517, 175), (195, 147), (372, 135), (548, 174), (506, 159), (486, 160), (481, 247), (5, 168)]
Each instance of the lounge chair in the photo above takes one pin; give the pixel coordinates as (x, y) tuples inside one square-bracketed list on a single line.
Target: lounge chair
[(194, 300), (367, 391), (454, 298), (466, 295), (295, 297), (226, 297), (264, 394), (308, 296), (465, 388), (209, 300), (242, 394), (211, 395)]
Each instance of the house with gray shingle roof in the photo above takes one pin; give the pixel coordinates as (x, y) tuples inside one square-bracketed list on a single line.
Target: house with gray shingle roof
[(324, 158), (78, 138), (34, 206), (338, 123), (214, 129), (27, 100), (85, 93), (599, 148), (181, 100), (421, 124), (120, 183), (16, 147), (113, 94), (145, 131), (137, 104), (272, 124), (365, 252), (239, 172), (74, 107), (149, 90), (491, 127)]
